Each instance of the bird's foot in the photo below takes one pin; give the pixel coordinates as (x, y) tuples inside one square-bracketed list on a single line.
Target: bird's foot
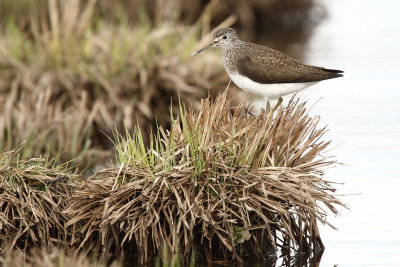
[(248, 109)]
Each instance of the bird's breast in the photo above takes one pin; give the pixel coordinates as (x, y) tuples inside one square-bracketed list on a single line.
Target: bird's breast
[(229, 63)]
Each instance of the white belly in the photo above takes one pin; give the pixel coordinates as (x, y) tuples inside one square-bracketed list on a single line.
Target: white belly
[(270, 91)]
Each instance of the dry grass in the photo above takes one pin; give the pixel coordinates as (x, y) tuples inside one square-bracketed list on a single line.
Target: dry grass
[(71, 70), (284, 21), (70, 78), (220, 184), (33, 194)]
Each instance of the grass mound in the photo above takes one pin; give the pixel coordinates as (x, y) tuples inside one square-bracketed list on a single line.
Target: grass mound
[(33, 194), (219, 183)]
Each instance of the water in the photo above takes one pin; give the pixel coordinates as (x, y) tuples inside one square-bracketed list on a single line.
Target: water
[(362, 111)]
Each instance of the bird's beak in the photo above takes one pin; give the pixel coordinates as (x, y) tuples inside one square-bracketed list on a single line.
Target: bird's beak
[(204, 48)]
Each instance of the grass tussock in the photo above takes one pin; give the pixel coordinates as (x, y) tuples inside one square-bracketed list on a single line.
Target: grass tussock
[(33, 194), (220, 183)]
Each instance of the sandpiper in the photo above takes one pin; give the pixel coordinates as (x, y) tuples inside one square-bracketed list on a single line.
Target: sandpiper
[(263, 70)]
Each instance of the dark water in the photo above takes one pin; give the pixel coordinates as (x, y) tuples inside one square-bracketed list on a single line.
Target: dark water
[(362, 111)]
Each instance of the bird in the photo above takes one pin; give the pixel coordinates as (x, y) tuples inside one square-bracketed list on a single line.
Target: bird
[(265, 71)]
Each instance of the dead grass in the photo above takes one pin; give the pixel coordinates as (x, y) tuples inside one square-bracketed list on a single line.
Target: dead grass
[(72, 70), (70, 79), (220, 183), (33, 194)]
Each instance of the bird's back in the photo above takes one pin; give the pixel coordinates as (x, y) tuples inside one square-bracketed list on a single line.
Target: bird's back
[(266, 65)]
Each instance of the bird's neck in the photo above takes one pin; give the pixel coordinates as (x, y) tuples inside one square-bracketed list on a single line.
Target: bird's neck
[(229, 61), (229, 56)]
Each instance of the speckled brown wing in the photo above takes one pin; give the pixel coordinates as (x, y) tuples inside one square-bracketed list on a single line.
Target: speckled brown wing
[(275, 67)]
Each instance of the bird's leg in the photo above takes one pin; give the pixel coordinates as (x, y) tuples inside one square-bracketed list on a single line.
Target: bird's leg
[(277, 104), (272, 111), (248, 110), (267, 106)]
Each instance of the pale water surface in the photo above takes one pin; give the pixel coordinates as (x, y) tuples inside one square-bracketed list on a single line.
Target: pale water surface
[(362, 111)]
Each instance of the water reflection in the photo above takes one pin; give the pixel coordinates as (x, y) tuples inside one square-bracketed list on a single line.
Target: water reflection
[(300, 260), (284, 260)]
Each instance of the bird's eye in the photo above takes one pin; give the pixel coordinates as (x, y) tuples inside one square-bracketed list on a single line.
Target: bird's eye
[(224, 37)]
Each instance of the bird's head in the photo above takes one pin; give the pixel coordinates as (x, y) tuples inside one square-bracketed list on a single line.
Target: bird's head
[(222, 38)]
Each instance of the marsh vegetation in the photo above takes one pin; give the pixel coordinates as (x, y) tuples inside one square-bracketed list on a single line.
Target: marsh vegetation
[(190, 175)]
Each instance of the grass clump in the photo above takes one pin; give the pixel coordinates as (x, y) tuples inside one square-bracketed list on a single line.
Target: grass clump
[(33, 194), (220, 184)]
